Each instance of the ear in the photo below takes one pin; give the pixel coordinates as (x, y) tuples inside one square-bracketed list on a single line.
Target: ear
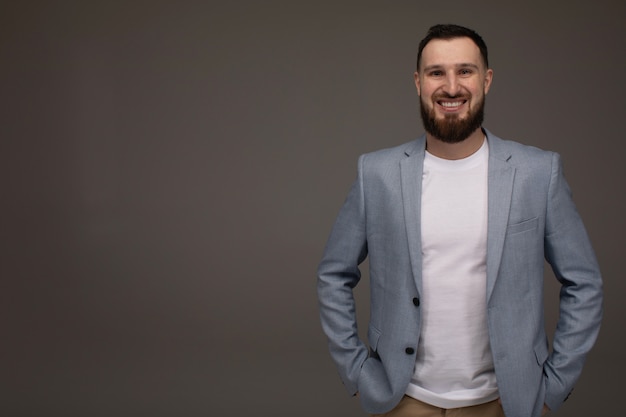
[(488, 79), (416, 76)]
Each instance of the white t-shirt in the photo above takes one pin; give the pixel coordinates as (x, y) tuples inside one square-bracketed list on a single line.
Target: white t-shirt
[(454, 366)]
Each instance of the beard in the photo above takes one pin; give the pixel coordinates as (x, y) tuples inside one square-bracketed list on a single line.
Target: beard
[(452, 129)]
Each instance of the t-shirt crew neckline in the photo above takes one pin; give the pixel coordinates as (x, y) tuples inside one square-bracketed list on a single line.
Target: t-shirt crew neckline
[(469, 162)]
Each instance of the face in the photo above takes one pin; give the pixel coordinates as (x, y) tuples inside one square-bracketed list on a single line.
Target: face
[(452, 82)]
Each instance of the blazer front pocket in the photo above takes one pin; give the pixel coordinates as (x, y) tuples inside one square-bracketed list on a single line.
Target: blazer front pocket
[(541, 352), (373, 336), (524, 226)]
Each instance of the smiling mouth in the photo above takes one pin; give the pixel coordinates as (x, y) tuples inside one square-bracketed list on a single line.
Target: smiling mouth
[(451, 103)]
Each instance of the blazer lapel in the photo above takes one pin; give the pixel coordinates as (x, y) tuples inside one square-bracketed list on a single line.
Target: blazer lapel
[(411, 169), (500, 185)]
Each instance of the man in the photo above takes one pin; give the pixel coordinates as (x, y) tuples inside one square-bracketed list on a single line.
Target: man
[(457, 225)]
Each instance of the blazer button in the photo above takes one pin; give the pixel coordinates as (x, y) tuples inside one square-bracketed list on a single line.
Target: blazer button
[(416, 301), (409, 351)]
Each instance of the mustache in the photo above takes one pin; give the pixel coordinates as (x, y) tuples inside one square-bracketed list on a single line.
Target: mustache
[(450, 96)]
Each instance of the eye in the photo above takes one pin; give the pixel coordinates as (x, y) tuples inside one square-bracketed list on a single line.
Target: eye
[(436, 73), (465, 71)]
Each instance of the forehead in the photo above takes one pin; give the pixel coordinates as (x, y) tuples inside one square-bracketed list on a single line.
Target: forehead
[(445, 52)]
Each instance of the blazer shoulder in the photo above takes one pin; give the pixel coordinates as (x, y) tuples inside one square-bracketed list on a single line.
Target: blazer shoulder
[(519, 154), (395, 153)]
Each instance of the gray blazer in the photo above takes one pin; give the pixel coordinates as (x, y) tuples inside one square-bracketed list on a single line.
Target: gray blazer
[(531, 218)]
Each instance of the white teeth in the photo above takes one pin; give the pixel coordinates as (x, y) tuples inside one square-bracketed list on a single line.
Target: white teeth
[(451, 104)]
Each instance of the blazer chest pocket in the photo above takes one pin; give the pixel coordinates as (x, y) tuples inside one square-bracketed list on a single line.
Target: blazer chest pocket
[(524, 226)]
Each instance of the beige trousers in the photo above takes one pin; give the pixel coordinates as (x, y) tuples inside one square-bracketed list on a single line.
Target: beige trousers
[(410, 407)]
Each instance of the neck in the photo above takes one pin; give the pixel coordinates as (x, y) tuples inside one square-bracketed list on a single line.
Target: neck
[(457, 150)]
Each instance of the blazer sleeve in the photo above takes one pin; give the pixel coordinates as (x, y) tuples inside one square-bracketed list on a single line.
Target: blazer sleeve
[(338, 274), (569, 252)]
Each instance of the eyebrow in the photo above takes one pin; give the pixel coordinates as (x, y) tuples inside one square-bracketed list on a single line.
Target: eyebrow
[(463, 65)]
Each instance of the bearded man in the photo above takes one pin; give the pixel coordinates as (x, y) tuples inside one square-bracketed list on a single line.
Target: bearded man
[(457, 225)]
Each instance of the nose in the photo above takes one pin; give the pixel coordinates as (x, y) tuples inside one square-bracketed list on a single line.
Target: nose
[(451, 85)]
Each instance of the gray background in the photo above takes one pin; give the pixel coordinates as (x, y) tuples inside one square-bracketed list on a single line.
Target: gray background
[(170, 172)]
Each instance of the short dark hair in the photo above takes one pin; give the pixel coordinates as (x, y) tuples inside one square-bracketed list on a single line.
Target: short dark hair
[(451, 32)]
